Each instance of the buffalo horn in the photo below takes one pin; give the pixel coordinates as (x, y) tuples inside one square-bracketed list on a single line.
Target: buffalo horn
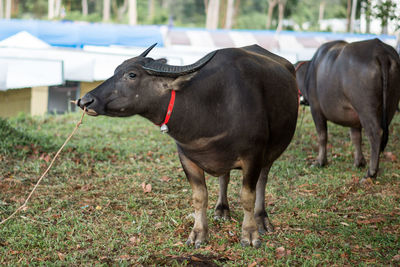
[(144, 54), (160, 69)]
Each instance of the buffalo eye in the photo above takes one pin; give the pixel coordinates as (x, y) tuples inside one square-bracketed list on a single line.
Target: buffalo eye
[(132, 75)]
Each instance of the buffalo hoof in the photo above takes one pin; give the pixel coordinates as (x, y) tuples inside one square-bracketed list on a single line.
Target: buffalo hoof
[(255, 243), (250, 238), (196, 238), (361, 163), (263, 224), (222, 214), (369, 175), (190, 242), (265, 227), (318, 164)]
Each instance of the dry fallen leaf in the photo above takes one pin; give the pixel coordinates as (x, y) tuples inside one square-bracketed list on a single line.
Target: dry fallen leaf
[(61, 256), (372, 220), (146, 187), (134, 240), (396, 258), (280, 252), (124, 257), (180, 243), (165, 179), (194, 258), (390, 156)]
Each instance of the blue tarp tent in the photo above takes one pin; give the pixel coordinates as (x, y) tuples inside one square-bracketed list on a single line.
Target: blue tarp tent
[(79, 34)]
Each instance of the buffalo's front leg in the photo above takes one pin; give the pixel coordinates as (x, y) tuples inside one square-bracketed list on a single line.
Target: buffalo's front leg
[(195, 175), (260, 213), (355, 134), (250, 234), (222, 207)]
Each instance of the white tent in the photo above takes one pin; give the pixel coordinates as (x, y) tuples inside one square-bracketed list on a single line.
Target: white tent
[(18, 71)]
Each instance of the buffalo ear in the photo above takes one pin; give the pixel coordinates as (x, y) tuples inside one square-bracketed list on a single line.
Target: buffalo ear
[(180, 82), (162, 60)]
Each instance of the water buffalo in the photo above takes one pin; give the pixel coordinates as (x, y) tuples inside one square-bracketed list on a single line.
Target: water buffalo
[(355, 85), (235, 108)]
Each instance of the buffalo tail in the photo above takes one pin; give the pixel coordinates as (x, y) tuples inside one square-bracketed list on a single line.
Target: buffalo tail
[(384, 123)]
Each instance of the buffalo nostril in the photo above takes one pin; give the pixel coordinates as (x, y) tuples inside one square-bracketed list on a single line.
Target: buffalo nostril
[(85, 101)]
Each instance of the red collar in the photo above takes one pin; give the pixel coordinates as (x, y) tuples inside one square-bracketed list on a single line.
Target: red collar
[(298, 66), (163, 125), (299, 94)]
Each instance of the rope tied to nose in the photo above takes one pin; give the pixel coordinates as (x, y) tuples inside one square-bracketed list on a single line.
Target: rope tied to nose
[(48, 168)]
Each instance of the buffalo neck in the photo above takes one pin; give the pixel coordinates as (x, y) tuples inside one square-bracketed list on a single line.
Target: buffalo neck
[(157, 110)]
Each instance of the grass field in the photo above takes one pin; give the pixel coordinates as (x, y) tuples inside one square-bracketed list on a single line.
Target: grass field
[(96, 206)]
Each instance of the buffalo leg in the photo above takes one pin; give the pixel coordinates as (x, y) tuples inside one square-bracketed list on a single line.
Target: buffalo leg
[(321, 126), (355, 134), (196, 179), (222, 207), (260, 213), (374, 133), (250, 234)]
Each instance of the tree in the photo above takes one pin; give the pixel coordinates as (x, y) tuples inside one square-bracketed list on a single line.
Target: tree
[(57, 8), (150, 15), (106, 10), (1, 9), (271, 6), (366, 9), (50, 9), (281, 10), (230, 9), (132, 12), (85, 8), (348, 13), (385, 11), (353, 16), (8, 9), (322, 5), (212, 15), (119, 10)]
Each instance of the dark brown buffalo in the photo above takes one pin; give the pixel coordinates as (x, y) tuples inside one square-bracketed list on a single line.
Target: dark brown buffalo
[(235, 108), (355, 85)]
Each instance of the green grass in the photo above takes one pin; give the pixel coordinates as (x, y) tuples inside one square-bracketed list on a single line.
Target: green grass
[(91, 208)]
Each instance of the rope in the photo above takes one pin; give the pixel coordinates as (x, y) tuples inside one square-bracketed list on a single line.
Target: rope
[(47, 170)]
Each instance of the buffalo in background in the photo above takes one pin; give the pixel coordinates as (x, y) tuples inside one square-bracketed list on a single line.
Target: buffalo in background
[(355, 85)]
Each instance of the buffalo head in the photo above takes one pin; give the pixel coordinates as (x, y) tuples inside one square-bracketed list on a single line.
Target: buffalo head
[(301, 77), (137, 85)]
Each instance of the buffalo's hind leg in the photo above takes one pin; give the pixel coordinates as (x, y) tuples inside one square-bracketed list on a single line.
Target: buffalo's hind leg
[(260, 213), (222, 207), (250, 234), (196, 178), (322, 130), (359, 160), (374, 133)]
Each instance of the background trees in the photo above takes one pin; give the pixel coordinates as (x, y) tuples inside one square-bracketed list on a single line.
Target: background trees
[(248, 14)]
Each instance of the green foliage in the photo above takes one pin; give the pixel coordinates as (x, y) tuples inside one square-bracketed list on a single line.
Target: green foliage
[(251, 14), (253, 20), (385, 10), (33, 9), (16, 141)]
